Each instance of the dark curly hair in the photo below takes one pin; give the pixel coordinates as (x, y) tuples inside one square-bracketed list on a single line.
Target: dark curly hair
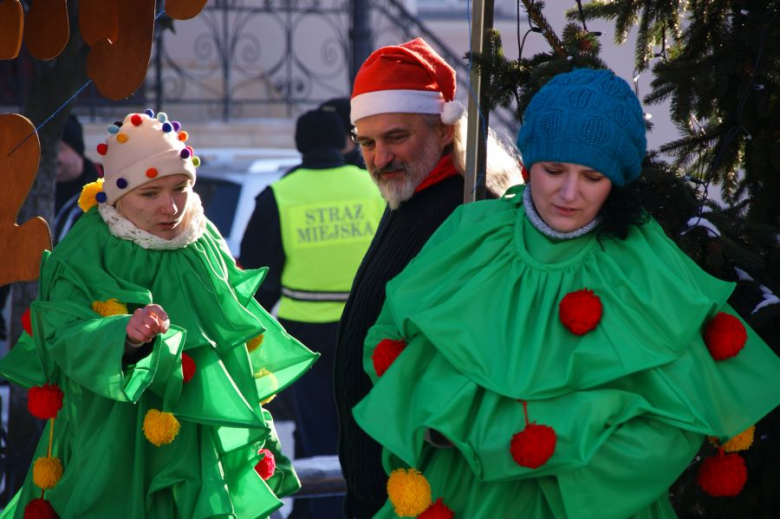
[(621, 210)]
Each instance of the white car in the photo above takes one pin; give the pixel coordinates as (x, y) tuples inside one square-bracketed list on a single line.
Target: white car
[(229, 179)]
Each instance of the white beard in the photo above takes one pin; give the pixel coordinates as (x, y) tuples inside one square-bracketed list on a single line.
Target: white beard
[(396, 191)]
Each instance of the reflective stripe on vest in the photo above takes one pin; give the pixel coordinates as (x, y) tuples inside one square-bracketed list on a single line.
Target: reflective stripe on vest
[(306, 295), (328, 218)]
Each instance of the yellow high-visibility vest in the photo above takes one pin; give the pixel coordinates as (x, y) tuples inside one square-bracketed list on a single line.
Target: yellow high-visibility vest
[(328, 218)]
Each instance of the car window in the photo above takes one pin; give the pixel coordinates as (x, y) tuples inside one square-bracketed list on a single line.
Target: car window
[(219, 198)]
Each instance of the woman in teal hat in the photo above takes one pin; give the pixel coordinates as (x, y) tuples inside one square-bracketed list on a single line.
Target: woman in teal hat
[(148, 355), (553, 353)]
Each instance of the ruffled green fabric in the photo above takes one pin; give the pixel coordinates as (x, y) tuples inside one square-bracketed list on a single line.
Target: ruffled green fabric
[(111, 470), (630, 401)]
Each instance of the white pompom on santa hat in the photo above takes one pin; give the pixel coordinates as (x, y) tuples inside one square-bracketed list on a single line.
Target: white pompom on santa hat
[(406, 78)]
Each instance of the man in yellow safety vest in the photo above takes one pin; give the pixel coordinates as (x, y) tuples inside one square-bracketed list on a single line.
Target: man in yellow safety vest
[(312, 228)]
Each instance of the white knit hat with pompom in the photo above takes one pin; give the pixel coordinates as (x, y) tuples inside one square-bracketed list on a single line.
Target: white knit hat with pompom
[(142, 148)]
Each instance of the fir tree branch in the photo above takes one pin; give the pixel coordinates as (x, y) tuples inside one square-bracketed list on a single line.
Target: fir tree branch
[(534, 10)]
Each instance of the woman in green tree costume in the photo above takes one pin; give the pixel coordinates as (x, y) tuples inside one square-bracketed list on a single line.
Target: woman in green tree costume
[(553, 353), (148, 354)]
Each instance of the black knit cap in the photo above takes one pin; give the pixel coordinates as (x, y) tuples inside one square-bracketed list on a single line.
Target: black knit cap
[(319, 129), (73, 134), (340, 105)]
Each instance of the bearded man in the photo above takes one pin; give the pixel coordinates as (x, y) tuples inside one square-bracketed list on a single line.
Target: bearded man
[(411, 132)]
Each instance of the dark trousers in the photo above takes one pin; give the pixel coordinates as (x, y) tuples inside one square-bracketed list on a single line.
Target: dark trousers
[(314, 408)]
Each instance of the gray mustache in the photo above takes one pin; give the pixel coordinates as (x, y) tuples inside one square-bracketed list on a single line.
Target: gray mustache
[(390, 168)]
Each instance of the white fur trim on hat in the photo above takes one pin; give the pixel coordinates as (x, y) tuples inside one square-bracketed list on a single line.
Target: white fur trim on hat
[(396, 101)]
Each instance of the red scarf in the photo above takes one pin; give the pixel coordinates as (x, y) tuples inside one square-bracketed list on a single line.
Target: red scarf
[(443, 170)]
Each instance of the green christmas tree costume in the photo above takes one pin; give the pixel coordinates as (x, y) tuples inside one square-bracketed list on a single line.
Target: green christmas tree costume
[(631, 401), (110, 469)]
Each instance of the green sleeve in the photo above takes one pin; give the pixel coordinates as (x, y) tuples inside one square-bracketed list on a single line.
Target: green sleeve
[(22, 365), (636, 465), (75, 342)]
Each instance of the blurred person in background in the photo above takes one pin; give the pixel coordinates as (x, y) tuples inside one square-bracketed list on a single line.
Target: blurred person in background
[(351, 151), (74, 171)]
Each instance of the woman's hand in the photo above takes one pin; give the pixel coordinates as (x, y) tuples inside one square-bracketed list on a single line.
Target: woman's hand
[(145, 324)]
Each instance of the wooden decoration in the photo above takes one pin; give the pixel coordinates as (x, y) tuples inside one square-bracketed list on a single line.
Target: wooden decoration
[(47, 29), (118, 69), (98, 20), (22, 245), (183, 9), (11, 27)]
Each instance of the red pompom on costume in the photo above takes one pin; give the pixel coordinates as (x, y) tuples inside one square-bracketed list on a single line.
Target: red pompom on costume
[(725, 336), (187, 367), (723, 475), (266, 466), (27, 322), (580, 311), (437, 510), (39, 509), (534, 445), (385, 354), (44, 401)]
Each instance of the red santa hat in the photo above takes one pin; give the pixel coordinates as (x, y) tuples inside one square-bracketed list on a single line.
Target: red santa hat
[(406, 78)]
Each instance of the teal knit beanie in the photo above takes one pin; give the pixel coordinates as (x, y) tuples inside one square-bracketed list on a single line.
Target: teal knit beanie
[(587, 117)]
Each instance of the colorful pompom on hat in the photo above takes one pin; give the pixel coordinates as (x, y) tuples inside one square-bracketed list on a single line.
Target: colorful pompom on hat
[(587, 117), (406, 78), (142, 148)]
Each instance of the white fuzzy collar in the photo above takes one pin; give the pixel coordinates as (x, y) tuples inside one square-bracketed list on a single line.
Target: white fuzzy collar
[(124, 229)]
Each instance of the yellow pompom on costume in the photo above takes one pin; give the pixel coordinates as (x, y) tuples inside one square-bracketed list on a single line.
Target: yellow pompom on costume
[(87, 198), (109, 307), (160, 427), (47, 472), (740, 442), (409, 492)]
